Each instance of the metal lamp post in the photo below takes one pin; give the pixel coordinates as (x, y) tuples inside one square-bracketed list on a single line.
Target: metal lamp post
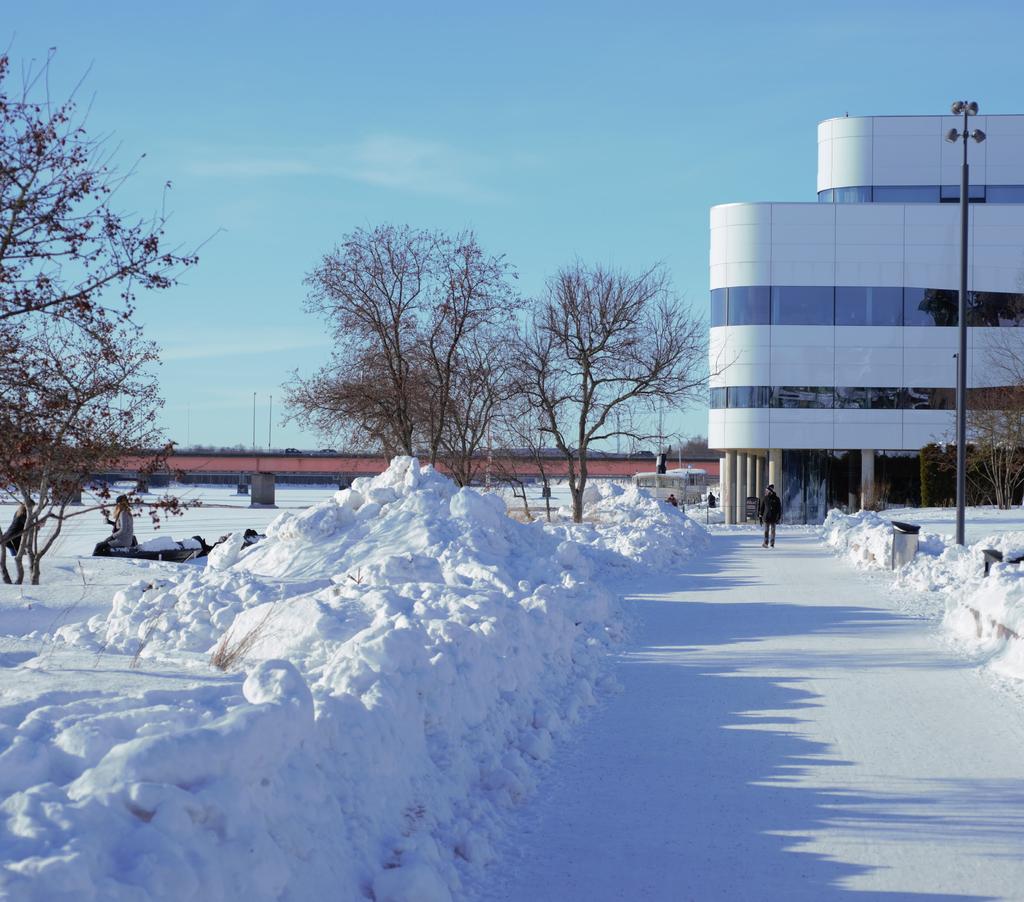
[(964, 108)]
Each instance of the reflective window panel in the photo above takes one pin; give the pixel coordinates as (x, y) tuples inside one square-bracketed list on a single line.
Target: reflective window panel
[(748, 396), (719, 307), (930, 307), (750, 306), (802, 397), (929, 399), (906, 194), (869, 306), (803, 305)]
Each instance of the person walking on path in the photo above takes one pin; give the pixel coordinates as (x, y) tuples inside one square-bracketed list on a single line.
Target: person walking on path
[(771, 513), (672, 500)]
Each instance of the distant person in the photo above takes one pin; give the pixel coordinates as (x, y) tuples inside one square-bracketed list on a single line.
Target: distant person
[(12, 537), (672, 500), (124, 528), (770, 512), (711, 499)]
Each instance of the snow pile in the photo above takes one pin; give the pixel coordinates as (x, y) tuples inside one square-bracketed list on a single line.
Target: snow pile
[(985, 613), (626, 526), (412, 652)]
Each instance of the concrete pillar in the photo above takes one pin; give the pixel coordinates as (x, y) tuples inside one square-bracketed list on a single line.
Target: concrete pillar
[(867, 478), (753, 468), (729, 487), (775, 469), (262, 490), (741, 486), (762, 464), (141, 485)]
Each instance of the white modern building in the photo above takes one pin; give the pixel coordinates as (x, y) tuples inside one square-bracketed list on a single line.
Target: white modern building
[(833, 324)]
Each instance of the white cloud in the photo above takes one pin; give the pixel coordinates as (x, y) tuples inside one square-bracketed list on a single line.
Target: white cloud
[(388, 161)]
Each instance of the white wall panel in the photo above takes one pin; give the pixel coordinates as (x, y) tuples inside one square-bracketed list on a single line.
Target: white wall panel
[(748, 214), (923, 426), (800, 429), (931, 275), (905, 159), (869, 337), (824, 154), (863, 273), (802, 373), (867, 435), (747, 428), (753, 273), (851, 161), (803, 272), (716, 430)]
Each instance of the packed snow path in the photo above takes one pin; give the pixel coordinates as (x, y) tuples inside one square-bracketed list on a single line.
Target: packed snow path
[(783, 733)]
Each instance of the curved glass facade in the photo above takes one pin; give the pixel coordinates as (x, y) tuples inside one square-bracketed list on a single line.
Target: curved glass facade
[(922, 194), (826, 397), (801, 305)]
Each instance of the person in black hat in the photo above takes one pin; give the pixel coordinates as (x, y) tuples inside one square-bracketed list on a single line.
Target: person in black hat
[(771, 513)]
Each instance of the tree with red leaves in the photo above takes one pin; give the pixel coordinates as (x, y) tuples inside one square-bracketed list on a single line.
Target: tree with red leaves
[(64, 252)]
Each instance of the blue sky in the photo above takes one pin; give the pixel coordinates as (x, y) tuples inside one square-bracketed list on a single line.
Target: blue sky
[(598, 130)]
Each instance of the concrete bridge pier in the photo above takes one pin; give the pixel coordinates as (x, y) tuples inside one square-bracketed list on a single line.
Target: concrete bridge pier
[(262, 491)]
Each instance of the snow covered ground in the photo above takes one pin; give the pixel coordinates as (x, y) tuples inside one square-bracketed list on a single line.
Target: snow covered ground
[(784, 732), (400, 657), (945, 581)]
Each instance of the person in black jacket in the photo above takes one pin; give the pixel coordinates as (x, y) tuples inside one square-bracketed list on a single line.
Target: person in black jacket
[(12, 537), (771, 513)]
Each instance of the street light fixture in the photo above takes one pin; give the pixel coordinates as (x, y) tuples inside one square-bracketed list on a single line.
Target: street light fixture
[(964, 108)]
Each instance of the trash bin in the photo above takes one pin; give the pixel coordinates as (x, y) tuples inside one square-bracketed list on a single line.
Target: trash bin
[(243, 489), (996, 557), (991, 557), (904, 543)]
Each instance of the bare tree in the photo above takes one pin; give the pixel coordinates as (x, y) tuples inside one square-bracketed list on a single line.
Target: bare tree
[(72, 403), (602, 341), (478, 383), (404, 305), (521, 451), (64, 251), (995, 414)]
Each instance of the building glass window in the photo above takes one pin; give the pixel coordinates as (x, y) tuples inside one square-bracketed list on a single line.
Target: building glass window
[(749, 306), (851, 398), (930, 307), (929, 399), (745, 396), (718, 398), (906, 194), (803, 305), (883, 398), (859, 194), (1004, 194), (791, 397), (995, 308), (825, 197), (869, 306), (719, 308), (950, 194)]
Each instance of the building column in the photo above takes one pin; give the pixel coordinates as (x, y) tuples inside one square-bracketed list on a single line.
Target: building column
[(867, 478), (753, 474), (852, 469), (729, 487), (775, 469), (741, 486), (262, 490)]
